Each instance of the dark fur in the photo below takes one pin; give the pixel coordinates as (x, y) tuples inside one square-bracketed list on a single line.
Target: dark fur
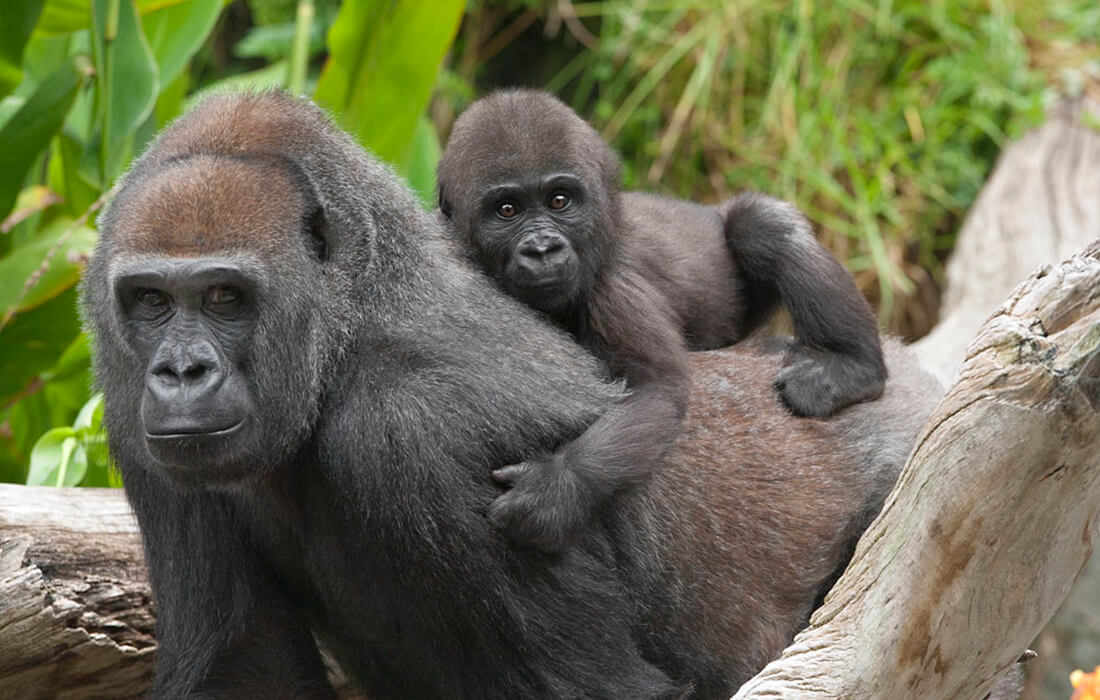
[(388, 378), (639, 280)]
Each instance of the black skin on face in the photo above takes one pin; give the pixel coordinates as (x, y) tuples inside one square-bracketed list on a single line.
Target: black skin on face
[(532, 193), (331, 381), (190, 320)]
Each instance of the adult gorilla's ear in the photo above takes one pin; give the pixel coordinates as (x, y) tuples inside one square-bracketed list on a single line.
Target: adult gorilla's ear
[(316, 232), (444, 206)]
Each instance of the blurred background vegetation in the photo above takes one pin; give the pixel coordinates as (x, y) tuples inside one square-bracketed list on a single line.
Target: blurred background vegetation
[(880, 119)]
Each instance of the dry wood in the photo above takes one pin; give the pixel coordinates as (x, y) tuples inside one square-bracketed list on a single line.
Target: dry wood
[(992, 520), (1039, 206), (75, 620)]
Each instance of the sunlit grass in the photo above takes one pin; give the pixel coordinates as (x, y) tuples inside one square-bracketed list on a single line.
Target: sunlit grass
[(880, 119)]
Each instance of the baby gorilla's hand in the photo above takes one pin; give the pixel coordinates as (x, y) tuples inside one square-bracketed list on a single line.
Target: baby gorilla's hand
[(545, 504), (817, 383)]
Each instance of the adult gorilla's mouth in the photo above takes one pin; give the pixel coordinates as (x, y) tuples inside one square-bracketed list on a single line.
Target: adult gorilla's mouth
[(196, 432)]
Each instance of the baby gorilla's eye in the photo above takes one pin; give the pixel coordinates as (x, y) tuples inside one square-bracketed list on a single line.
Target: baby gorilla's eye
[(506, 210), (222, 296), (558, 200)]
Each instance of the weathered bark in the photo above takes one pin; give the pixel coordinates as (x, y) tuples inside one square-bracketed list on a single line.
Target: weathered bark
[(992, 519), (1040, 205), (75, 620)]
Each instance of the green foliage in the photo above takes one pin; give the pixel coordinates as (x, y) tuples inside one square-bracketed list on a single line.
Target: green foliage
[(84, 87), (879, 120), (383, 60), (76, 454), (17, 20)]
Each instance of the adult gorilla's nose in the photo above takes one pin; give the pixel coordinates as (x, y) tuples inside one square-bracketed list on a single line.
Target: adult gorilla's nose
[(184, 373)]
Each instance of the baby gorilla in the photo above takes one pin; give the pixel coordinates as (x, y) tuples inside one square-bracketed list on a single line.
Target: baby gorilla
[(532, 193)]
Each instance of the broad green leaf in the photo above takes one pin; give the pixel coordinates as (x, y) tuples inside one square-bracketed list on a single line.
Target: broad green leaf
[(170, 99), (37, 272), (91, 415), (177, 32), (58, 459), (9, 106), (66, 176), (29, 131), (126, 76), (422, 159), (383, 59), (27, 420), (54, 447), (44, 55), (32, 342), (74, 361), (65, 16), (17, 20)]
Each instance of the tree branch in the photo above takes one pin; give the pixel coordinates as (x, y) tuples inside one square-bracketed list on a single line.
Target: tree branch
[(991, 521)]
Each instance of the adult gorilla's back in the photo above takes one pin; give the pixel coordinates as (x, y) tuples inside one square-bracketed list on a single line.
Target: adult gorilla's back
[(306, 393)]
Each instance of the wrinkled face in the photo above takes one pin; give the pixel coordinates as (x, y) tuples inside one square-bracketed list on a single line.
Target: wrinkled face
[(190, 321), (206, 359), (528, 231)]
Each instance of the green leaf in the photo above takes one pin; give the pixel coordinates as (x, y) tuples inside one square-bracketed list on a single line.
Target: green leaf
[(422, 159), (57, 459), (383, 59), (66, 176), (37, 272), (170, 100), (126, 77), (33, 341), (17, 20), (177, 32), (65, 16), (91, 415), (28, 132)]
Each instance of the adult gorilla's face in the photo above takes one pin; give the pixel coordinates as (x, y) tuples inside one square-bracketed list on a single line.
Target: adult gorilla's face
[(214, 341)]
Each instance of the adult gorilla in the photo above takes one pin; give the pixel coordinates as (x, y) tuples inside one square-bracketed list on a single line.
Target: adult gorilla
[(307, 392)]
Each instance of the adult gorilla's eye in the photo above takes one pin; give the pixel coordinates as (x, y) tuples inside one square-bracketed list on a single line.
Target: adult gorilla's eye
[(222, 296), (558, 200), (506, 210), (152, 299)]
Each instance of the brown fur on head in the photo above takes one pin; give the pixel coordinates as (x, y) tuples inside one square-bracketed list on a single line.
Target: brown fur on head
[(192, 208)]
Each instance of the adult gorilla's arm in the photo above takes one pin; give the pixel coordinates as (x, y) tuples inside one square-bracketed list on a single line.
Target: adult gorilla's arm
[(224, 628), (633, 329), (837, 360)]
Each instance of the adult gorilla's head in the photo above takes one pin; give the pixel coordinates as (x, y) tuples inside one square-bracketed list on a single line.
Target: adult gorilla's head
[(203, 310), (537, 210)]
